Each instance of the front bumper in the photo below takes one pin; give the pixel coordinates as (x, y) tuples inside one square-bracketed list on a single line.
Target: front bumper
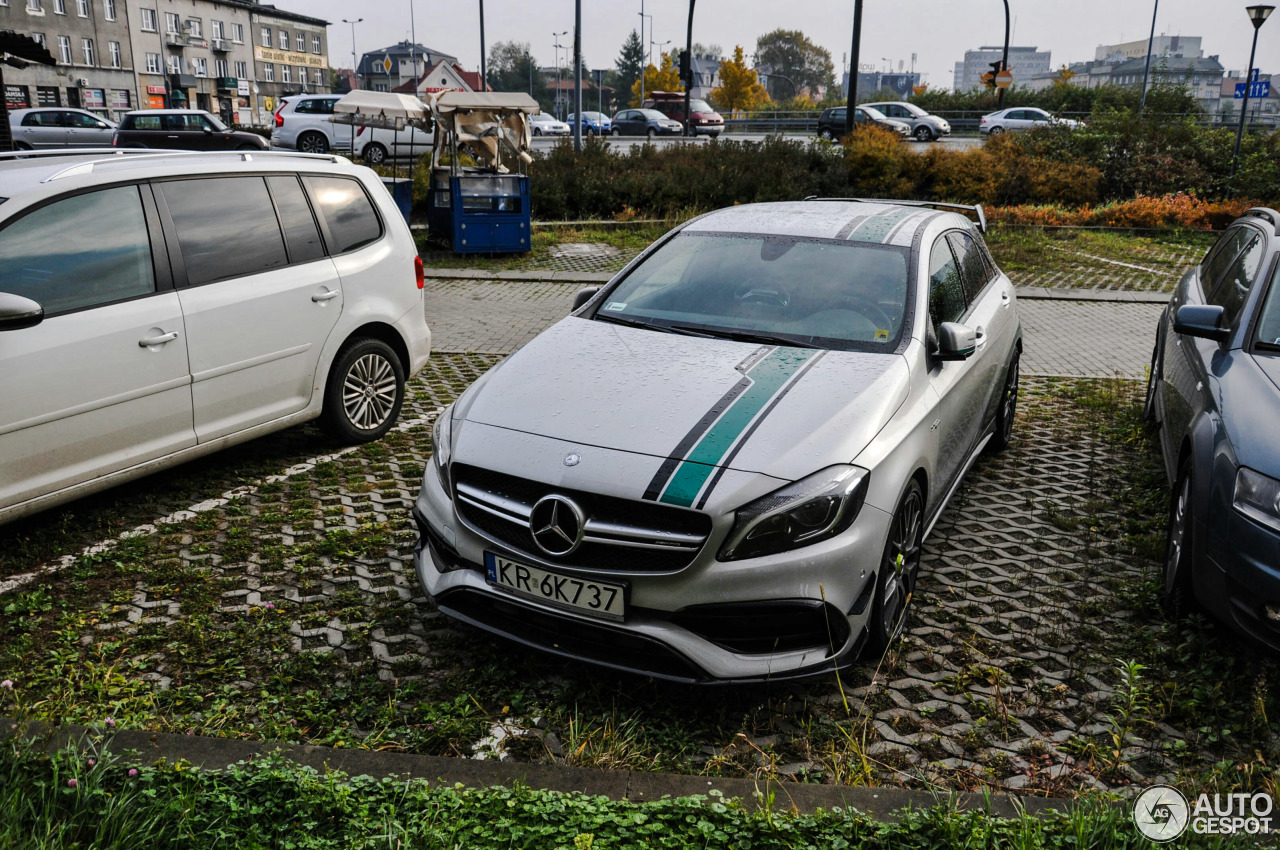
[(1246, 562), (794, 615)]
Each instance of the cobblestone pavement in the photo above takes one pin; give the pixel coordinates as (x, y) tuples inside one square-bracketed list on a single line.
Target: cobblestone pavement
[(1102, 338), (1149, 269), (565, 257)]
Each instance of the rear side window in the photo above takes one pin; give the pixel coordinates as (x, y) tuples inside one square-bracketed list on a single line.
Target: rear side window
[(1233, 289), (79, 252), (301, 236), (316, 106), (226, 227), (946, 293), (1220, 257), (973, 271), (141, 122), (40, 119), (347, 211)]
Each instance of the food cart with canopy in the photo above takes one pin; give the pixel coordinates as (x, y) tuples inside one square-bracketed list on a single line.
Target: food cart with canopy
[(385, 111), (479, 193)]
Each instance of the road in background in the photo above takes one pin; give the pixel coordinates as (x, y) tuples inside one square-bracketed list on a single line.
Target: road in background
[(627, 143)]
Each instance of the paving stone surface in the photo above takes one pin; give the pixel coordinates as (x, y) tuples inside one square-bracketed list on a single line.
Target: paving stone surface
[(1152, 268)]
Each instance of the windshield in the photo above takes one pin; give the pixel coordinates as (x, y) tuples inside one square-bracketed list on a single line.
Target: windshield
[(1268, 337), (696, 105), (217, 124), (913, 109), (654, 114), (806, 292), (874, 113)]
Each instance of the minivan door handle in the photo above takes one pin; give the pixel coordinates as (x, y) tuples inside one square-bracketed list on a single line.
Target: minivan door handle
[(325, 296), (158, 340), (1005, 300)]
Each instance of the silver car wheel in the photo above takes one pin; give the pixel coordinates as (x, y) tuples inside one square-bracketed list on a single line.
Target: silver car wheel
[(369, 392), (923, 134), (899, 567), (313, 143)]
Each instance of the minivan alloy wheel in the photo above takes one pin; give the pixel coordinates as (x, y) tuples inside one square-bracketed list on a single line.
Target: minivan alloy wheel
[(369, 391), (364, 392)]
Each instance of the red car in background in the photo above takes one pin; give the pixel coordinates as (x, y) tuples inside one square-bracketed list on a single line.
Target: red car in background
[(706, 121)]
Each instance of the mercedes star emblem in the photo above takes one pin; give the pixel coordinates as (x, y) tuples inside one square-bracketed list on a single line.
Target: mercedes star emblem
[(556, 524), (572, 458)]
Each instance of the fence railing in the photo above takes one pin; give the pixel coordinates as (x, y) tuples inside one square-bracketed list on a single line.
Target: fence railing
[(963, 122)]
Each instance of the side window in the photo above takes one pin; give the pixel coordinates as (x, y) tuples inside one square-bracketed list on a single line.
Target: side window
[(226, 227), (301, 236), (109, 259), (347, 210), (1234, 287), (973, 271), (946, 293), (144, 122), (1221, 256), (33, 119), (305, 107), (82, 121)]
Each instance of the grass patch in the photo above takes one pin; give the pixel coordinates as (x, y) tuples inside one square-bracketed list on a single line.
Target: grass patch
[(630, 240), (1029, 254)]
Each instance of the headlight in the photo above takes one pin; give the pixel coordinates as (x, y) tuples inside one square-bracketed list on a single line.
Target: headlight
[(1258, 497), (814, 508), (441, 439)]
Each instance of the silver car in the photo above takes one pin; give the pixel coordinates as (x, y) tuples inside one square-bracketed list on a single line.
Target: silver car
[(924, 127), (1021, 118), (49, 127), (723, 464)]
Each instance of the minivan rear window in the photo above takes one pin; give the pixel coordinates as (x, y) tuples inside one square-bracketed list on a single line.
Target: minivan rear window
[(226, 227), (347, 210)]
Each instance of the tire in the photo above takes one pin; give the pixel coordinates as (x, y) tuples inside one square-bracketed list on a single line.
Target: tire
[(374, 154), (1153, 386), (995, 131), (537, 132), (615, 132), (364, 393), (1175, 593), (313, 143), (923, 134), (1008, 411), (827, 134), (896, 578)]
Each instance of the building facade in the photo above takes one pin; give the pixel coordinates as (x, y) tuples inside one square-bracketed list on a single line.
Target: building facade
[(1024, 62), (388, 68), (1180, 46), (291, 56), (90, 40)]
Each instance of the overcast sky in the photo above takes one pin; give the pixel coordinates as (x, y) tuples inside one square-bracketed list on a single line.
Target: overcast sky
[(937, 31)]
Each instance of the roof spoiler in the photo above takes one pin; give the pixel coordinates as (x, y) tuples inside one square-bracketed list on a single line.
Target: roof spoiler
[(974, 209), (1269, 214)]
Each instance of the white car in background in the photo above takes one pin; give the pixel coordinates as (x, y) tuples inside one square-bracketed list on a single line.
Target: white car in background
[(542, 124), (49, 127), (304, 124), (375, 146), (1020, 118), (158, 307)]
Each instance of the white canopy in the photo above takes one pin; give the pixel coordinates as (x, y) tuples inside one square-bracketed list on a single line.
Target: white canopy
[(463, 101), (384, 110)]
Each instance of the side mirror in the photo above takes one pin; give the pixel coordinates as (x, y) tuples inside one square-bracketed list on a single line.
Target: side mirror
[(956, 341), (583, 296), (1202, 320), (17, 312), (208, 131)]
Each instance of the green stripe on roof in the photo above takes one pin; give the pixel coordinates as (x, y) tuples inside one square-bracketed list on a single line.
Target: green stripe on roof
[(876, 228), (768, 377)]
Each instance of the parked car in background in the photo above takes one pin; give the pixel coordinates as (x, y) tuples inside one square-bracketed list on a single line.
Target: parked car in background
[(182, 129), (304, 124), (924, 127), (543, 124), (593, 123), (706, 121), (157, 308), (1214, 395), (374, 145), (1021, 118), (723, 465), (831, 121), (36, 129), (644, 122)]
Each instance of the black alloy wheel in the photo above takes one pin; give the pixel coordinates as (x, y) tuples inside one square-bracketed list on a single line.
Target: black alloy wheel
[(313, 143), (1153, 386), (899, 569), (1008, 411), (1175, 593)]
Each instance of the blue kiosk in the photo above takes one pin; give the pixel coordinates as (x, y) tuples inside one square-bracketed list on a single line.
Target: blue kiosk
[(479, 192)]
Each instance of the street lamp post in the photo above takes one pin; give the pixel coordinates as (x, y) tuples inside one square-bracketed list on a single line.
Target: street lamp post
[(1257, 16), (644, 57), (484, 76), (1004, 57), (852, 94), (688, 83), (577, 75), (355, 63), (558, 45), (1146, 69)]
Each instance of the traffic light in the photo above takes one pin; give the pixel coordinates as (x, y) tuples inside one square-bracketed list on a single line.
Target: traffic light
[(989, 78), (686, 68)]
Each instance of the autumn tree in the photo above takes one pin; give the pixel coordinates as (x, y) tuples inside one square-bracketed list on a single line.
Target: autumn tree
[(630, 63), (790, 54), (739, 90), (666, 78), (513, 68)]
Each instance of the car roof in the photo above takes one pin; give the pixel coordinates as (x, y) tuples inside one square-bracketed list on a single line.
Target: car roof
[(168, 112), (873, 222), (42, 175)]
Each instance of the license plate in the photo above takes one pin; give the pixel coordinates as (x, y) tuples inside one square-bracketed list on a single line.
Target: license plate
[(593, 598)]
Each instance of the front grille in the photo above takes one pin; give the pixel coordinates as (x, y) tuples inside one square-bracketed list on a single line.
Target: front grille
[(620, 535)]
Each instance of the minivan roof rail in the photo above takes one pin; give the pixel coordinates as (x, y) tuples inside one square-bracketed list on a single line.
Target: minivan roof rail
[(152, 153), (975, 209)]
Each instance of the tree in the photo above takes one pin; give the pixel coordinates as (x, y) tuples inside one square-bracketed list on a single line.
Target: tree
[(630, 63), (666, 78), (513, 68), (739, 89), (788, 53)]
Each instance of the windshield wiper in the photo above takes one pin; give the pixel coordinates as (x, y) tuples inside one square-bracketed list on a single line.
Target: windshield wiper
[(671, 329), (746, 336)]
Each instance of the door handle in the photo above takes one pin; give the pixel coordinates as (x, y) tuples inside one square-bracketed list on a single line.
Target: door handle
[(1005, 300), (325, 296), (171, 137), (158, 340), (979, 337)]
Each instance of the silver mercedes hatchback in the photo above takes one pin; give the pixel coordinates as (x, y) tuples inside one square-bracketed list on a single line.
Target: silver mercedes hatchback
[(723, 464)]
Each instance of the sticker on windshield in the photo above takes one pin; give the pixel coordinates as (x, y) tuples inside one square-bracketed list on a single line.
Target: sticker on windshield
[(881, 333), (616, 306)]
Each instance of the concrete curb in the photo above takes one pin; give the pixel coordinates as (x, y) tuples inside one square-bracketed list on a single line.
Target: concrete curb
[(1031, 293), (636, 787)]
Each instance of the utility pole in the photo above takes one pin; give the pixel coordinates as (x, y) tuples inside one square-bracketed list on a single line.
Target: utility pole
[(1146, 69), (688, 83), (577, 75), (646, 56), (1004, 57), (484, 77), (558, 45), (413, 48), (852, 100), (355, 63)]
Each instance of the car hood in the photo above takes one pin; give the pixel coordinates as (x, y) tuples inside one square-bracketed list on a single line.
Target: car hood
[(780, 411)]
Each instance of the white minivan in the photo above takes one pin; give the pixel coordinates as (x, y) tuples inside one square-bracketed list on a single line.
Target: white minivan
[(158, 306)]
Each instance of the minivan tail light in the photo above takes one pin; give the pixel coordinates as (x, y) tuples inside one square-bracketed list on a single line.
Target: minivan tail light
[(279, 120), (419, 273)]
